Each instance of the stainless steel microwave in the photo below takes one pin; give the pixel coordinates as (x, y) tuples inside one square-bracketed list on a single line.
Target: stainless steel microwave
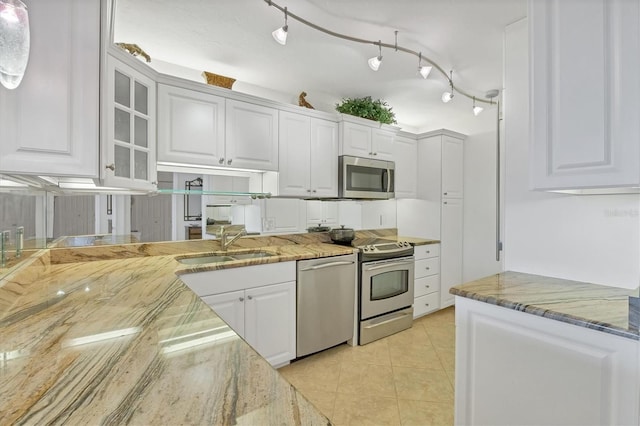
[(365, 178)]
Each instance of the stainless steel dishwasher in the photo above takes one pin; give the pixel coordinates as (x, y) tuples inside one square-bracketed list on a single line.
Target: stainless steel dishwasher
[(326, 302)]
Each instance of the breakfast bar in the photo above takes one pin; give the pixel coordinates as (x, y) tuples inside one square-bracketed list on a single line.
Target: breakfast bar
[(537, 350)]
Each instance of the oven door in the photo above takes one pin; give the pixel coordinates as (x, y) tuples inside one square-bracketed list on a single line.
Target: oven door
[(386, 286)]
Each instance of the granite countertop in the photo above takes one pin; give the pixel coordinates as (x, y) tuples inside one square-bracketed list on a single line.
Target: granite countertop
[(608, 309), (418, 241), (110, 334)]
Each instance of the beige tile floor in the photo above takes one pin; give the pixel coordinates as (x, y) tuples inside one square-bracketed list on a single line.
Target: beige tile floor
[(403, 379)]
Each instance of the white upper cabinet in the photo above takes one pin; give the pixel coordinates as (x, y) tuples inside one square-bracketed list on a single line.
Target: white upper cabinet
[(441, 165), (585, 93), (50, 123), (406, 173), (251, 136), (190, 126), (308, 155), (361, 140), (324, 158), (129, 145)]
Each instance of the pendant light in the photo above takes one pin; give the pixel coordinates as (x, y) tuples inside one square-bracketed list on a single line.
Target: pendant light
[(476, 109), (447, 96), (14, 42), (374, 63), (423, 70), (280, 35)]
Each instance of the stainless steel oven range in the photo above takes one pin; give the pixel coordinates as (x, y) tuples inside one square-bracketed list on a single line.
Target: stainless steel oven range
[(386, 288)]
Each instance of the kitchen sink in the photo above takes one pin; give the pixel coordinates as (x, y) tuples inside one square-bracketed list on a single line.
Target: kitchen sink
[(200, 260)]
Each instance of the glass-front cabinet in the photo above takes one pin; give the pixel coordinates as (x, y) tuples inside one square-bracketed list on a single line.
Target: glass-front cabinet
[(129, 149)]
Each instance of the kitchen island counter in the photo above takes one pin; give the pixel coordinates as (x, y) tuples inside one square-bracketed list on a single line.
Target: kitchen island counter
[(547, 351), (112, 335), (587, 305)]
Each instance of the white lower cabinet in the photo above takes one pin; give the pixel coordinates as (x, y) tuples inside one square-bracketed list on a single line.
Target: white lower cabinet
[(257, 302), (426, 279), (517, 368)]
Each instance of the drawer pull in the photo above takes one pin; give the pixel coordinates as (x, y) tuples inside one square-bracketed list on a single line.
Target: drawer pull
[(241, 299), (250, 297), (428, 252), (427, 268), (426, 286), (426, 304)]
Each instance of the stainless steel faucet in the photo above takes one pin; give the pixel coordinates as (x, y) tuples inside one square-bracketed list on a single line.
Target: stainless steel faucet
[(225, 242)]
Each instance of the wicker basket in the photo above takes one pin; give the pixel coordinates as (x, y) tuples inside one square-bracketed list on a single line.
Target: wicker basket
[(218, 80)]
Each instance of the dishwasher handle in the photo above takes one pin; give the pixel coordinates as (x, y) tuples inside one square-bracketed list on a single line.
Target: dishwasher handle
[(327, 265)]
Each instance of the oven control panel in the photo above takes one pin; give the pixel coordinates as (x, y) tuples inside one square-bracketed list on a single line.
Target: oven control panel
[(386, 250)]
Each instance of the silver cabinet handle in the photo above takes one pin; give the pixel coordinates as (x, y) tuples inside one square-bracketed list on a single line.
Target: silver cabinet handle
[(241, 299), (327, 265), (221, 160), (111, 167), (426, 286), (445, 193), (375, 153), (229, 161), (427, 268), (250, 297), (371, 153), (313, 191), (308, 190), (426, 304)]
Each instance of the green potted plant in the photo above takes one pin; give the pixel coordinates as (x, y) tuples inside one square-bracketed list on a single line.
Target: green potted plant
[(377, 110)]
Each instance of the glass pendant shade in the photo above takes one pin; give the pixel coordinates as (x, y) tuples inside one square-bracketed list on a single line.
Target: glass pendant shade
[(14, 42), (280, 35), (374, 63), (424, 71)]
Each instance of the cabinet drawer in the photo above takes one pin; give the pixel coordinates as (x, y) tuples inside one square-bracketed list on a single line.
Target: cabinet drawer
[(426, 267), (426, 304), (425, 252), (426, 285)]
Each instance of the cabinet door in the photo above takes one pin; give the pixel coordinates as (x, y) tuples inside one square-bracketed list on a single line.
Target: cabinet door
[(450, 249), (314, 213), (382, 143), (406, 173), (229, 307), (190, 126), (251, 136), (50, 123), (452, 167), (585, 62), (270, 321), (294, 154), (324, 158), (355, 139), (330, 213), (130, 145)]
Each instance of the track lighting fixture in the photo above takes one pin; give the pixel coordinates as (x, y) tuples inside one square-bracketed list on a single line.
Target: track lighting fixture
[(280, 35), (423, 70), (447, 96), (476, 109), (374, 63), (14, 42)]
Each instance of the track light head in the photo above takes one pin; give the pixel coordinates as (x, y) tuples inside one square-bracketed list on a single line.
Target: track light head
[(447, 96), (280, 35), (477, 110), (374, 63), (424, 71)]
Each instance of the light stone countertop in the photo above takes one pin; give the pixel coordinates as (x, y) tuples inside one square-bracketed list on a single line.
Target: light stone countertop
[(608, 309), (111, 335)]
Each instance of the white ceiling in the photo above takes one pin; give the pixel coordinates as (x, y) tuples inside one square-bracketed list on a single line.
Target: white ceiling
[(233, 38)]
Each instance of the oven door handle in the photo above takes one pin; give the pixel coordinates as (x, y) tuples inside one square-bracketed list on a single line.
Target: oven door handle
[(388, 265), (326, 265)]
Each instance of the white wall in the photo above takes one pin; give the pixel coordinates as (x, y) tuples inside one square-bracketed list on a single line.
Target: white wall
[(585, 238)]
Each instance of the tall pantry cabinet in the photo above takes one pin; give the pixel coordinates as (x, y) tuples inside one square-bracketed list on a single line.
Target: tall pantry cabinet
[(440, 180)]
